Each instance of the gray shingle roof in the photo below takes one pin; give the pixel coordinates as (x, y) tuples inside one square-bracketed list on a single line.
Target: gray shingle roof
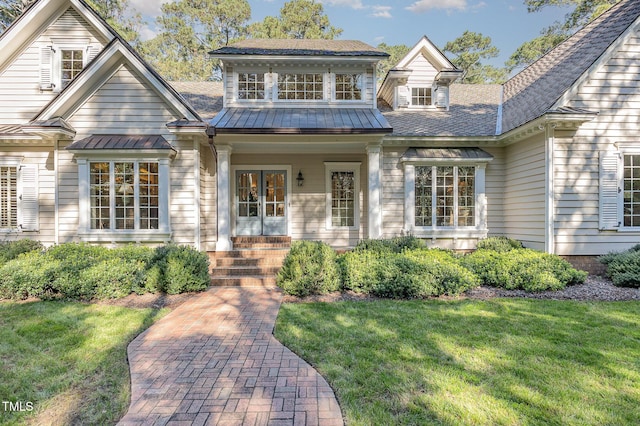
[(300, 121), (534, 90), (300, 47), (121, 142), (473, 112), (442, 154), (204, 96)]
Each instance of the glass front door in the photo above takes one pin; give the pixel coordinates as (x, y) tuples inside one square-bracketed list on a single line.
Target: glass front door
[(261, 199)]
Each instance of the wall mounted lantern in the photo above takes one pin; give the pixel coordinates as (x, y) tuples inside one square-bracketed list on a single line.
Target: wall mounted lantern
[(300, 178)]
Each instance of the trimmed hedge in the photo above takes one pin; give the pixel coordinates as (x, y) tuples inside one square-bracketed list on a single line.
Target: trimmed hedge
[(84, 272), (499, 244), (523, 269), (11, 249), (309, 268), (623, 267)]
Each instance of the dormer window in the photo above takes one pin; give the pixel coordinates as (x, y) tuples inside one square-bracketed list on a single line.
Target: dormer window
[(251, 86), (72, 63), (349, 87), (421, 96), (300, 87)]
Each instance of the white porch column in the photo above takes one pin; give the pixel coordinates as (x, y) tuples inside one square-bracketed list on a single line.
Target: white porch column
[(374, 165), (223, 196)]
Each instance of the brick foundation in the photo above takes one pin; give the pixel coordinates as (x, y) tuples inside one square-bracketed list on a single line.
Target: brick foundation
[(587, 263)]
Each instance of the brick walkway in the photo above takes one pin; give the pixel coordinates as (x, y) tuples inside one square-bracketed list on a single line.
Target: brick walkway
[(214, 361)]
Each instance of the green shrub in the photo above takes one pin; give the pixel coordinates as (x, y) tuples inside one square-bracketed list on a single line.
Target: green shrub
[(624, 267), (391, 245), (83, 272), (12, 249), (523, 269), (183, 269), (309, 268), (499, 244), (410, 274)]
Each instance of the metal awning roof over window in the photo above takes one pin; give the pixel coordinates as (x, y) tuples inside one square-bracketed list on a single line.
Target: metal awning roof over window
[(321, 121), (446, 155), (119, 142)]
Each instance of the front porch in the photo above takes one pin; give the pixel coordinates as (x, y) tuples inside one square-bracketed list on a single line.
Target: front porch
[(304, 188)]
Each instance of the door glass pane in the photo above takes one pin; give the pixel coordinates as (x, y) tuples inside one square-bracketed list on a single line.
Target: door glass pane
[(274, 194), (248, 196)]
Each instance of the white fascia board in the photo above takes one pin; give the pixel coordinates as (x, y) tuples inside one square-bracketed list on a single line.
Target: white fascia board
[(98, 73), (305, 59), (431, 52)]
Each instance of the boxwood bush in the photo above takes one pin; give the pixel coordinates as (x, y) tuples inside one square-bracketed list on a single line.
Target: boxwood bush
[(523, 269), (9, 250), (411, 273), (499, 244), (623, 267), (309, 268), (83, 272)]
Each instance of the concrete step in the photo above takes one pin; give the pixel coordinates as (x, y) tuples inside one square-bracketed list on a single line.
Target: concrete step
[(248, 281), (242, 271)]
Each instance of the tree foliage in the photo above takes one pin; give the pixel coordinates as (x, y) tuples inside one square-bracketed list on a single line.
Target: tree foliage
[(470, 49), (396, 52), (584, 11), (189, 30), (298, 19)]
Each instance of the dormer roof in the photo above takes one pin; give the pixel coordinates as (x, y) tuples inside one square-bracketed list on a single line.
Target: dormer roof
[(426, 48), (298, 48)]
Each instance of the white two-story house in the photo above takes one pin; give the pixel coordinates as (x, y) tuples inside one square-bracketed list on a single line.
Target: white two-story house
[(300, 141)]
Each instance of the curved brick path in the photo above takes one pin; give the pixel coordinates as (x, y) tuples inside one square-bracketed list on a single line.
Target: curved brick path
[(214, 361)]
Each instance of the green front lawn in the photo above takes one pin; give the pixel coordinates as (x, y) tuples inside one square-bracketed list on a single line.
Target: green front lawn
[(498, 362), (66, 360)]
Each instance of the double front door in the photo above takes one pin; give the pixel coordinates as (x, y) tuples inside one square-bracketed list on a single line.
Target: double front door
[(261, 202)]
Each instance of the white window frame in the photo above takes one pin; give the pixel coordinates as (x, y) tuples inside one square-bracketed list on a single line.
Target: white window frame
[(616, 162), (334, 86), (331, 167), (236, 87), (433, 231), (276, 90), (54, 58), (410, 96), (86, 233)]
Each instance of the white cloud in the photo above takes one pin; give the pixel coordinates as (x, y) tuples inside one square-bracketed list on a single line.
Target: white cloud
[(422, 6), (354, 4), (381, 11)]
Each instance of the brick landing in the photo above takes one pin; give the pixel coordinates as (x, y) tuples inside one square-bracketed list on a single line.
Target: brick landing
[(214, 361)]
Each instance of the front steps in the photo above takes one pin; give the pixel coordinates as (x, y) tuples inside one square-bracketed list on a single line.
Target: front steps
[(253, 262)]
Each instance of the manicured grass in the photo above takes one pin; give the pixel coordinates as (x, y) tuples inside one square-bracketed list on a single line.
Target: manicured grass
[(68, 360), (498, 362)]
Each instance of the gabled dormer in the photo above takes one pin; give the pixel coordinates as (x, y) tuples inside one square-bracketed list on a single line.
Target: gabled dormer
[(299, 73), (420, 80)]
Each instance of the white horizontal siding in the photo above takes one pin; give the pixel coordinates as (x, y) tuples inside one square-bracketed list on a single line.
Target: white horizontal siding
[(524, 192), (423, 73), (208, 209), (20, 80), (612, 91)]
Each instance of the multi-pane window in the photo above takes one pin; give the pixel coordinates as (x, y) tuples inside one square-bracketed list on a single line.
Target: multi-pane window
[(72, 63), (300, 86), (8, 197), (445, 196), (631, 182), (349, 87), (420, 96), (343, 198), (124, 195), (251, 86)]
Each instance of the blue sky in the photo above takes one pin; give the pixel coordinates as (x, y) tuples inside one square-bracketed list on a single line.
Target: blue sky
[(507, 22)]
